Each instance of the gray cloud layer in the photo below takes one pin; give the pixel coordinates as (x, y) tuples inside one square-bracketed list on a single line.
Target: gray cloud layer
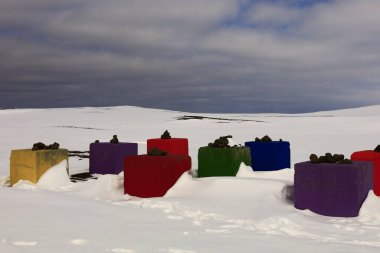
[(192, 55)]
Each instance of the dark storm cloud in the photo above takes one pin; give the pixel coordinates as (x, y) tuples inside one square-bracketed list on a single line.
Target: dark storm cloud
[(199, 55)]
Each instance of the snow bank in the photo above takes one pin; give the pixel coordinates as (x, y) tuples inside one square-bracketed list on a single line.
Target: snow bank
[(4, 181), (106, 187), (220, 214), (245, 171), (185, 185), (55, 178), (24, 185), (370, 211), (286, 175)]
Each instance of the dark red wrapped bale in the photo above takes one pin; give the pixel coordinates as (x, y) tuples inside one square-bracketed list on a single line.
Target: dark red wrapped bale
[(152, 176), (330, 189), (374, 157), (176, 146)]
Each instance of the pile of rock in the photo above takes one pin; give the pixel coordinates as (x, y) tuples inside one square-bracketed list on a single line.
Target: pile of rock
[(166, 135), (266, 138), (329, 158), (114, 140), (156, 152), (42, 146), (221, 142)]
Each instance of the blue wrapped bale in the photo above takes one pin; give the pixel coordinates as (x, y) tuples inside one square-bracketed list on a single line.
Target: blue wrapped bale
[(269, 156)]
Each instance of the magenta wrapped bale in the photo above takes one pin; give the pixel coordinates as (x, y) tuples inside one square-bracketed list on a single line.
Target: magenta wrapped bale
[(330, 189), (108, 158)]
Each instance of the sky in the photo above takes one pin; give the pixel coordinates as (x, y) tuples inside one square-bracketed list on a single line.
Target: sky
[(286, 56)]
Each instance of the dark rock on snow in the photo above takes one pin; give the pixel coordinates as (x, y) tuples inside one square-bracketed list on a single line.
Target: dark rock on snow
[(221, 142), (41, 146), (114, 140), (314, 158), (166, 135), (156, 152), (329, 158)]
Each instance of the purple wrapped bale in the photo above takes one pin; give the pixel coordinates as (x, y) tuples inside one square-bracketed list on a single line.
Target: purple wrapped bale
[(108, 158), (330, 189)]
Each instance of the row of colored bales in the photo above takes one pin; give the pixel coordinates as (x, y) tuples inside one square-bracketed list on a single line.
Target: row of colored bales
[(328, 185)]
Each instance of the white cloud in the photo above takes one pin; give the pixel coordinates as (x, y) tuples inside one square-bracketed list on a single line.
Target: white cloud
[(266, 13), (143, 51)]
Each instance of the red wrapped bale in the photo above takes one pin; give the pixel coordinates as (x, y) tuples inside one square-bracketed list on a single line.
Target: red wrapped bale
[(374, 157), (147, 176), (176, 146)]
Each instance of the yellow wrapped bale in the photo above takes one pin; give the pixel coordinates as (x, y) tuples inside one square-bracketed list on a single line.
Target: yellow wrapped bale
[(31, 165)]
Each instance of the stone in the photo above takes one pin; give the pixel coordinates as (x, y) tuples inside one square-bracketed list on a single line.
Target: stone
[(221, 142), (288, 193), (347, 161), (156, 152), (266, 138), (53, 146), (269, 156), (330, 189), (27, 164), (218, 162), (166, 135), (41, 146), (152, 176), (81, 177), (322, 159), (38, 146), (108, 158), (114, 140), (314, 158), (329, 158), (338, 158)]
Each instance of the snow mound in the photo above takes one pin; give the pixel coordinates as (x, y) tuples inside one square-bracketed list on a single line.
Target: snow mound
[(56, 178), (182, 187), (24, 185), (106, 187), (373, 110), (245, 171), (4, 181), (370, 210), (283, 175)]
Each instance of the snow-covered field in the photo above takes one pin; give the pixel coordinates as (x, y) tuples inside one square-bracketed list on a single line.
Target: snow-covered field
[(243, 214)]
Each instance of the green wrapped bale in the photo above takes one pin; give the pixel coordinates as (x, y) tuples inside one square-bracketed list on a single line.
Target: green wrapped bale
[(219, 162)]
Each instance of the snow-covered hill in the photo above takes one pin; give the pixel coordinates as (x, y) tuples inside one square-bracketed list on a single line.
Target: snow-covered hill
[(198, 215)]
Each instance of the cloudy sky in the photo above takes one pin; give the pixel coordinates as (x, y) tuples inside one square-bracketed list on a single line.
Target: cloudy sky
[(190, 55)]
